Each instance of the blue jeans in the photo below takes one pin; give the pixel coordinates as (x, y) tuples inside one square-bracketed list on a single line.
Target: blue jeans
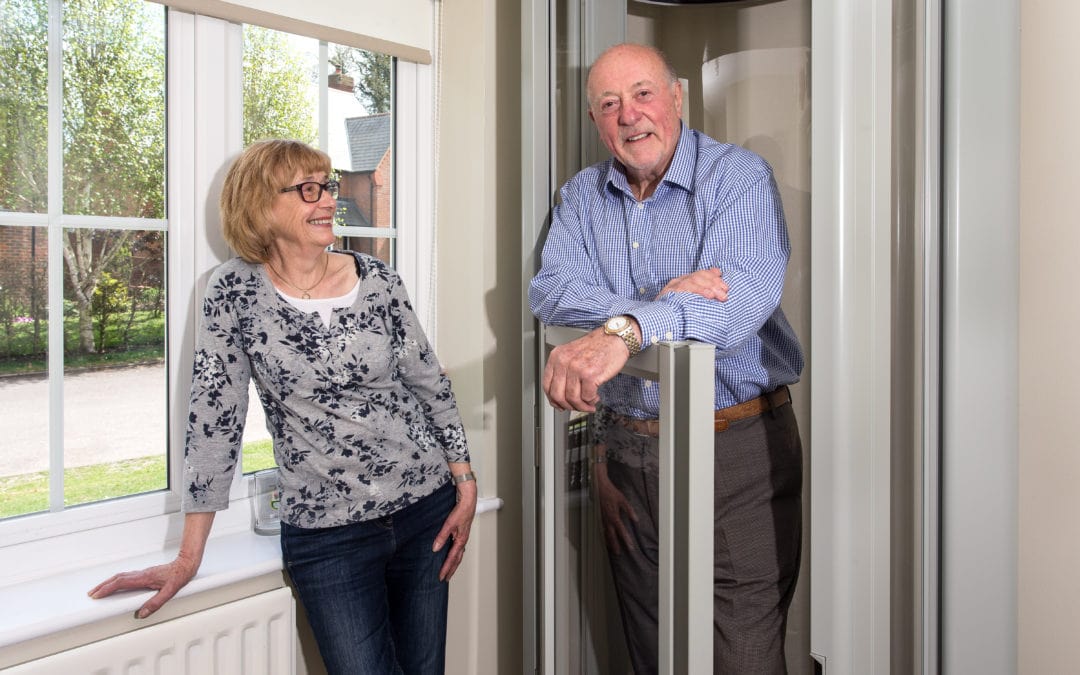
[(371, 590)]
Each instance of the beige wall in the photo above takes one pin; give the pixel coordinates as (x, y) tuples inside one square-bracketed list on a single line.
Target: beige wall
[(479, 308), (1049, 556)]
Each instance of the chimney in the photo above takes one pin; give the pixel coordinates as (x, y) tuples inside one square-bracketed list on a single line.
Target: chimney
[(339, 80)]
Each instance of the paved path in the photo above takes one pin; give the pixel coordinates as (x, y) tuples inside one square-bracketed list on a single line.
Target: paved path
[(109, 415)]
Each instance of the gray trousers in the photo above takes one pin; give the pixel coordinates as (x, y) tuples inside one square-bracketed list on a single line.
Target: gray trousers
[(758, 534)]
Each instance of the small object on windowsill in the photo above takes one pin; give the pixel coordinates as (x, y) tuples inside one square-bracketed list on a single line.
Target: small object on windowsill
[(266, 501)]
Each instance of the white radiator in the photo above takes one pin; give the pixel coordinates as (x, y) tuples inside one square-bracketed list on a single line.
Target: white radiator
[(253, 636)]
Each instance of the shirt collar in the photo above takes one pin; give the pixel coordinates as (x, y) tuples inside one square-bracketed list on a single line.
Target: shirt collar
[(680, 172)]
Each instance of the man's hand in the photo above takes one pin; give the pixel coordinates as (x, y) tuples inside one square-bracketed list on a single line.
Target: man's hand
[(613, 505), (706, 283), (575, 370)]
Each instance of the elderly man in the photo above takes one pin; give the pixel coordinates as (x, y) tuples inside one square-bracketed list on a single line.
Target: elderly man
[(679, 237)]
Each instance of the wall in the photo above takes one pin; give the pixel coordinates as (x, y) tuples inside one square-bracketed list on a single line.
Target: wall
[(478, 336), (1049, 588)]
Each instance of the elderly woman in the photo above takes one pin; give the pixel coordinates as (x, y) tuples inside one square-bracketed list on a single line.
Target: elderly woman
[(370, 447)]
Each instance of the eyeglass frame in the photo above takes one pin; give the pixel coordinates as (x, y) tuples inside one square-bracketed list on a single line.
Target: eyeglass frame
[(331, 185)]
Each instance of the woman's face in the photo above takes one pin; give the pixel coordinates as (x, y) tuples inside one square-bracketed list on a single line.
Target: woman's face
[(297, 223)]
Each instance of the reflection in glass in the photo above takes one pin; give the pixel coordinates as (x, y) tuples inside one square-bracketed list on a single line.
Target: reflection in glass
[(589, 636), (115, 411), (23, 112), (114, 108)]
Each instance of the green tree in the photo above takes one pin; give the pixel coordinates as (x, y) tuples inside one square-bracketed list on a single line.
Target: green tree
[(371, 75), (110, 298), (23, 112), (277, 88)]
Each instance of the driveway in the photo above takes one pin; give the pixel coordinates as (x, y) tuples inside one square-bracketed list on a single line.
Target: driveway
[(109, 414)]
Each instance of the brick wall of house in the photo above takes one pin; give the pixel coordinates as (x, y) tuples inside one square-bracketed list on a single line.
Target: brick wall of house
[(24, 254), (373, 195)]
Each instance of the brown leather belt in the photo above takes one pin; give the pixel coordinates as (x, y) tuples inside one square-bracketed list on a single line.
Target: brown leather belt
[(723, 417)]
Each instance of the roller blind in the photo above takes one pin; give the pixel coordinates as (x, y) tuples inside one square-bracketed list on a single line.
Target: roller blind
[(401, 28)]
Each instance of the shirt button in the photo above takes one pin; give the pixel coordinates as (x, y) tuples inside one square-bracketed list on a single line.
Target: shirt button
[(640, 205), (655, 339), (669, 336), (635, 244), (641, 291), (648, 384)]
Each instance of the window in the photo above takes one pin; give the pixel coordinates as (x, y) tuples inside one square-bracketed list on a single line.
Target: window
[(82, 278), (103, 258)]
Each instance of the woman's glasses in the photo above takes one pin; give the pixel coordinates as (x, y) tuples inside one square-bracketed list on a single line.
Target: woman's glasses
[(311, 191)]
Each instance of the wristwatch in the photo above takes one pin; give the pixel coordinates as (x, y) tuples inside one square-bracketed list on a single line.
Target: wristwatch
[(620, 325)]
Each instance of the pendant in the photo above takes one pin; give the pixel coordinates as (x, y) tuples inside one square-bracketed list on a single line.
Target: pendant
[(306, 296)]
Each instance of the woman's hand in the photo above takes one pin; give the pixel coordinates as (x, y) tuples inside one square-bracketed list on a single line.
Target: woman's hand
[(166, 579), (457, 527)]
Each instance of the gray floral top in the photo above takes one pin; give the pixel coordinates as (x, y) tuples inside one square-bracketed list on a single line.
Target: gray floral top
[(362, 418)]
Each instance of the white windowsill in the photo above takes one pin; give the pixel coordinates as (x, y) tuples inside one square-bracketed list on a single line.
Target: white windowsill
[(41, 607)]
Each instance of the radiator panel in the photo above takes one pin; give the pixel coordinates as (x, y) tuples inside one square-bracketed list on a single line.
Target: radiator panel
[(253, 636)]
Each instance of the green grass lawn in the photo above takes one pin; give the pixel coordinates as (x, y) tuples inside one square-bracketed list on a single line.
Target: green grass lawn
[(29, 493)]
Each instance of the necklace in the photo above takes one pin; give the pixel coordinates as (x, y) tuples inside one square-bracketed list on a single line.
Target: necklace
[(305, 294)]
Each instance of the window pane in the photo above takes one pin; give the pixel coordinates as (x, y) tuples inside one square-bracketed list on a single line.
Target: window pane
[(114, 108), (258, 448), (24, 386), (280, 99), (360, 132), (23, 109), (380, 247), (115, 404)]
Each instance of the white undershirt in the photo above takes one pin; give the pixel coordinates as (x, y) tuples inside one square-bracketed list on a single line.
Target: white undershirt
[(323, 306)]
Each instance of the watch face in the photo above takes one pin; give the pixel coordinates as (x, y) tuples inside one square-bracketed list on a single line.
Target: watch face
[(616, 323)]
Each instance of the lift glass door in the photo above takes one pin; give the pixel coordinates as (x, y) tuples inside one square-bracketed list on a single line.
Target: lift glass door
[(745, 71)]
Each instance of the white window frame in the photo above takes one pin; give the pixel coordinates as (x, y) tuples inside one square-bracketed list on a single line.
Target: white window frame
[(204, 133)]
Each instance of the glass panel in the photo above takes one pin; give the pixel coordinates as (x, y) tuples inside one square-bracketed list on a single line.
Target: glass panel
[(379, 247), (114, 108), (24, 386), (360, 133), (258, 448), (23, 117), (589, 636), (115, 412), (280, 93), (746, 76)]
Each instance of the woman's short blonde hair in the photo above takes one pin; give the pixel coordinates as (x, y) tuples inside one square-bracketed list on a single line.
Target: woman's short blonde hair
[(252, 183)]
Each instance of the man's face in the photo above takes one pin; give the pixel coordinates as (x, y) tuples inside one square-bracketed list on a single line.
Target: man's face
[(636, 109)]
